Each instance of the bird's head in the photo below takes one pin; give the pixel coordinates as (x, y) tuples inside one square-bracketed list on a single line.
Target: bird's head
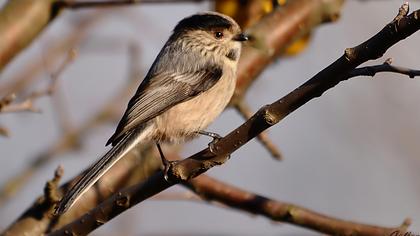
[(211, 33)]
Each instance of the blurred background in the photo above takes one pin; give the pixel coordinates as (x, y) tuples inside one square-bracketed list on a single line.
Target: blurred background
[(353, 153)]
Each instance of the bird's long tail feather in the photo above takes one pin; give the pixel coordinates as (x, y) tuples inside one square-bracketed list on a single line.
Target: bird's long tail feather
[(97, 170)]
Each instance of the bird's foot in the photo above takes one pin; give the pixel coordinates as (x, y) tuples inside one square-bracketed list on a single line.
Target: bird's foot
[(167, 164), (166, 168), (216, 137)]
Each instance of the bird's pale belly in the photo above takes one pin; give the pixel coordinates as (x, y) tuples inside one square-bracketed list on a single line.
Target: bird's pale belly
[(185, 119)]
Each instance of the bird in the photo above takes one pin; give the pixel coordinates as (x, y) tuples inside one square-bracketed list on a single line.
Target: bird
[(188, 85)]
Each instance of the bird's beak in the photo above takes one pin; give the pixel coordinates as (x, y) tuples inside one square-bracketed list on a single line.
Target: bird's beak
[(240, 37)]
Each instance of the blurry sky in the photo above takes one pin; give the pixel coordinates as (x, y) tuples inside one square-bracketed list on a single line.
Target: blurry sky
[(354, 153)]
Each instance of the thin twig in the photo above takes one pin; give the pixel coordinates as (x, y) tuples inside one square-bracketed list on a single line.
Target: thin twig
[(7, 105), (213, 190), (385, 67), (51, 193), (70, 141), (58, 100), (72, 138), (49, 90)]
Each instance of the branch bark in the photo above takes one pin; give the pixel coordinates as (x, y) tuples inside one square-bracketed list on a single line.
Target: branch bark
[(213, 190), (137, 166), (401, 27)]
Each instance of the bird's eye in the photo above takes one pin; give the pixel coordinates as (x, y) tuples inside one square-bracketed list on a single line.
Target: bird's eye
[(218, 35)]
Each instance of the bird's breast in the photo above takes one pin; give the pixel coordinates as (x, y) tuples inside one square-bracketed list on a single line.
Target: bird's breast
[(184, 119)]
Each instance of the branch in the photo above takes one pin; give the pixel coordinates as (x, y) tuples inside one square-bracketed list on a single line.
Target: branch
[(400, 28), (69, 141), (7, 105), (51, 193), (275, 32), (213, 190), (22, 21), (135, 167), (385, 67)]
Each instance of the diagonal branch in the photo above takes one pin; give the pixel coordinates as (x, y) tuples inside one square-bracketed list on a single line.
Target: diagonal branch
[(263, 138), (401, 27), (214, 190), (20, 23), (135, 167)]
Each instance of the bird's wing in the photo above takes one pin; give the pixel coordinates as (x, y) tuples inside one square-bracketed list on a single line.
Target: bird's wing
[(162, 91)]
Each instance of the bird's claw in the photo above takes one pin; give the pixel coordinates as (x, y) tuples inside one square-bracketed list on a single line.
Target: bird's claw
[(216, 137), (166, 168), (212, 144)]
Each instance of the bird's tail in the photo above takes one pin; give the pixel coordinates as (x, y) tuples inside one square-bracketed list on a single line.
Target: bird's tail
[(98, 169)]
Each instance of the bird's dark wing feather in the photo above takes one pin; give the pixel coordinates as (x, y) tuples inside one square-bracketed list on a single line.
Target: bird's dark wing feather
[(159, 93)]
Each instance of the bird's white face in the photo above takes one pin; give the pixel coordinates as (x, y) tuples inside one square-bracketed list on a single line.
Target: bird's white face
[(222, 43), (228, 42), (214, 36)]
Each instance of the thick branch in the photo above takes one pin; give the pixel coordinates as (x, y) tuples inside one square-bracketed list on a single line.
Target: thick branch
[(37, 220), (385, 67), (20, 23), (214, 190), (266, 117)]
